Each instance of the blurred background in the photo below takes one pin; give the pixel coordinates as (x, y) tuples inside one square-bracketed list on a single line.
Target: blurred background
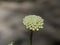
[(12, 10)]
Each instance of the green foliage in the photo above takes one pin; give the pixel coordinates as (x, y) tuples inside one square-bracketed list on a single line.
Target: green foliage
[(11, 43)]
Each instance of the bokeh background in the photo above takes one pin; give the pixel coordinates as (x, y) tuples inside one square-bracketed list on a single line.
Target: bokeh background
[(12, 10)]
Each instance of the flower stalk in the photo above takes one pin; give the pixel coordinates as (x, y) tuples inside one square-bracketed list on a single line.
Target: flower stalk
[(31, 37)]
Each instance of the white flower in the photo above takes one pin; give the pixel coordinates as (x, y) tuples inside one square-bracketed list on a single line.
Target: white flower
[(33, 22)]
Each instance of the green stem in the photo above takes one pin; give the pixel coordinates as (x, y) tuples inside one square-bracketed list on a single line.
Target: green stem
[(31, 35)]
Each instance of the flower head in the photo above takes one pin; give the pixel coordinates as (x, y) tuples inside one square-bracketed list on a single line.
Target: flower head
[(33, 22)]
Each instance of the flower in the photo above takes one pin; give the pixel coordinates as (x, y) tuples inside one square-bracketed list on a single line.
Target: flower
[(33, 22)]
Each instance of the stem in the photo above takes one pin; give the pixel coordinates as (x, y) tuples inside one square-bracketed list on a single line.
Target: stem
[(31, 35)]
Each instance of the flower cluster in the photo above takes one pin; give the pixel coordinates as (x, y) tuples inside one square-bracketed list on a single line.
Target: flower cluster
[(33, 22)]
